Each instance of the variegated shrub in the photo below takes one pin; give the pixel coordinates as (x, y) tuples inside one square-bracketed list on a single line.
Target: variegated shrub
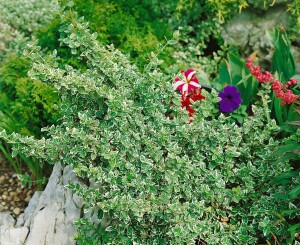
[(154, 179)]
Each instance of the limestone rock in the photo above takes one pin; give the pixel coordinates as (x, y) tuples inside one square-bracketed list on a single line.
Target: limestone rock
[(6, 220), (50, 215), (52, 221), (13, 236), (29, 211), (248, 30)]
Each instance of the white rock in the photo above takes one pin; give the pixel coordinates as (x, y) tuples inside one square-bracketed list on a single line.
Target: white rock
[(13, 236), (50, 215), (6, 220), (247, 30), (29, 211), (56, 211)]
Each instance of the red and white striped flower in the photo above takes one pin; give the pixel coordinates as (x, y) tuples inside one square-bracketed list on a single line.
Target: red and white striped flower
[(187, 83)]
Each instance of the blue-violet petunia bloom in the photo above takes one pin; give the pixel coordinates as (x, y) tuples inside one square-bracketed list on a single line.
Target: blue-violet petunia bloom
[(230, 99)]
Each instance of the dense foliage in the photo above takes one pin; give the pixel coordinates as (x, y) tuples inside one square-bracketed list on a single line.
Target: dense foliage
[(154, 179), (98, 96), (137, 27)]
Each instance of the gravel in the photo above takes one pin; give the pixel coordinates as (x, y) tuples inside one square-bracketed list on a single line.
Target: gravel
[(13, 198)]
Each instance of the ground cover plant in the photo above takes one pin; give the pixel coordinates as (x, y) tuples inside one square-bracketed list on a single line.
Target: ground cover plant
[(153, 171), (129, 27), (28, 106), (158, 164)]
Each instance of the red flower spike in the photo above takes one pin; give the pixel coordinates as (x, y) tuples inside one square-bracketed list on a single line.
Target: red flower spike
[(293, 81), (281, 90)]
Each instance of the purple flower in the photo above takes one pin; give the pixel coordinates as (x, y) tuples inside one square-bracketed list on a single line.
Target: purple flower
[(230, 99)]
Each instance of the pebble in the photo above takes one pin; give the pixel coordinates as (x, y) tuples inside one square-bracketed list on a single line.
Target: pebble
[(13, 198), (2, 178), (27, 199), (17, 211), (16, 198)]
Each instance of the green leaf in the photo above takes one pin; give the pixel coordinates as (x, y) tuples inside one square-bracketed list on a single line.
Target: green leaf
[(278, 109), (286, 157), (279, 196), (295, 192), (224, 75), (288, 175), (100, 214), (294, 229), (70, 4), (176, 34), (283, 61), (289, 147), (172, 42), (235, 66)]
